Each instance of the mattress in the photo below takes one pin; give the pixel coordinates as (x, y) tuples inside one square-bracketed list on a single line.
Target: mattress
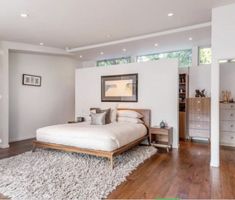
[(97, 137)]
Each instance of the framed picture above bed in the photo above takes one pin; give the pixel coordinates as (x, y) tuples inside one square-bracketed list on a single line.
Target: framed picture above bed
[(119, 88), (31, 80)]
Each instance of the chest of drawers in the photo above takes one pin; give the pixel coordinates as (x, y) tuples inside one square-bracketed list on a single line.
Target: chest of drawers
[(199, 117), (227, 124)]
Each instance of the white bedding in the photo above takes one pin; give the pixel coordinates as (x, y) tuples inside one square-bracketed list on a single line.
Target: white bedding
[(98, 137)]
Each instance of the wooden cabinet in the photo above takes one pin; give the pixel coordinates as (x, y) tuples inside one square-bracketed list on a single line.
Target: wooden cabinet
[(161, 137), (198, 117), (227, 124), (182, 125), (183, 94)]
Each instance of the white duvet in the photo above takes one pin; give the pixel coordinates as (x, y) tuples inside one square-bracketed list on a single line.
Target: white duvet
[(98, 137)]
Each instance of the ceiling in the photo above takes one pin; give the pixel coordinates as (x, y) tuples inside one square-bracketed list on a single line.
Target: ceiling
[(76, 23), (170, 42)]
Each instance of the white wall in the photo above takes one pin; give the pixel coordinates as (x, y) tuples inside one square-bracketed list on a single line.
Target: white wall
[(200, 78), (5, 48), (1, 89), (158, 89), (35, 107), (227, 74), (223, 46)]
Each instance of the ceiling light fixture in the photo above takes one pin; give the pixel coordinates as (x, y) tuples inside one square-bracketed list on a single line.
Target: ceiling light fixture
[(24, 15), (156, 44), (101, 53), (233, 60), (170, 14), (41, 43), (124, 50), (190, 38), (80, 56), (223, 61)]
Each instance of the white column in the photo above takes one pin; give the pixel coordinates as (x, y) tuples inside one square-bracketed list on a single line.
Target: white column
[(215, 89), (4, 101)]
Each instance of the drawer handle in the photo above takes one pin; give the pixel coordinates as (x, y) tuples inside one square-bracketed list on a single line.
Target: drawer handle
[(231, 106), (232, 137), (231, 126), (231, 115)]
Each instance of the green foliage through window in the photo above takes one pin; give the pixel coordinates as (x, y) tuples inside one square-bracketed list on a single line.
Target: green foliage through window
[(114, 61), (184, 57), (204, 55)]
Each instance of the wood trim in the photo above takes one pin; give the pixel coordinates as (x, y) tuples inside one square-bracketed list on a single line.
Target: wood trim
[(39, 144), (98, 153), (128, 146)]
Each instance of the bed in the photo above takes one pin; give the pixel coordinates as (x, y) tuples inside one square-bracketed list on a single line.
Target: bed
[(100, 140)]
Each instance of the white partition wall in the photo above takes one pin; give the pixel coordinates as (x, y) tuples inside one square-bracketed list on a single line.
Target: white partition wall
[(157, 88), (223, 47)]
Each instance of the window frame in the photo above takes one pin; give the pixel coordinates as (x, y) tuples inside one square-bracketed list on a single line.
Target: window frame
[(198, 54), (167, 52), (128, 58)]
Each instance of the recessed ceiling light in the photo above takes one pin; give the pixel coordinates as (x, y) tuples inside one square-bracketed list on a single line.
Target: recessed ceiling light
[(170, 14), (24, 15), (80, 56), (41, 43), (124, 50), (156, 44), (101, 53), (108, 36), (190, 38)]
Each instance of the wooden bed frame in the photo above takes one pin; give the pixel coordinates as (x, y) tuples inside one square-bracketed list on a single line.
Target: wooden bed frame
[(107, 154)]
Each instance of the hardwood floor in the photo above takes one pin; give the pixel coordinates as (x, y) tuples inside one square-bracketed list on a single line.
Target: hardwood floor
[(16, 148), (184, 174)]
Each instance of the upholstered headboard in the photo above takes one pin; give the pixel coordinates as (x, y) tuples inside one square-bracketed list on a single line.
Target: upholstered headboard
[(145, 112)]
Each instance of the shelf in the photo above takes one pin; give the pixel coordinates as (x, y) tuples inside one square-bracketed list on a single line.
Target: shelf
[(161, 145)]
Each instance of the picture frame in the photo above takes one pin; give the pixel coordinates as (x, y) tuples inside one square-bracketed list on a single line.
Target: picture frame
[(31, 80), (119, 88)]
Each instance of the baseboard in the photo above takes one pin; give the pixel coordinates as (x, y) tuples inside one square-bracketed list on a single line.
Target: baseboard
[(4, 146), (175, 146), (20, 138), (212, 164)]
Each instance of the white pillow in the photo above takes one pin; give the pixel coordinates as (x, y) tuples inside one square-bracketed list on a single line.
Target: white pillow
[(129, 119), (129, 113), (113, 115)]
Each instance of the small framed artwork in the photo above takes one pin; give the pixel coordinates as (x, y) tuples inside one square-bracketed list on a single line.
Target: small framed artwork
[(31, 80), (119, 88)]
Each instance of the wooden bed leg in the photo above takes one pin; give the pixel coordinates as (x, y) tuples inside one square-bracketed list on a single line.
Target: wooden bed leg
[(149, 142), (34, 148), (111, 162)]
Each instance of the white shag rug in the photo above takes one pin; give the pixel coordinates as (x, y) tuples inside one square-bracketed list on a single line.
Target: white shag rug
[(55, 175)]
